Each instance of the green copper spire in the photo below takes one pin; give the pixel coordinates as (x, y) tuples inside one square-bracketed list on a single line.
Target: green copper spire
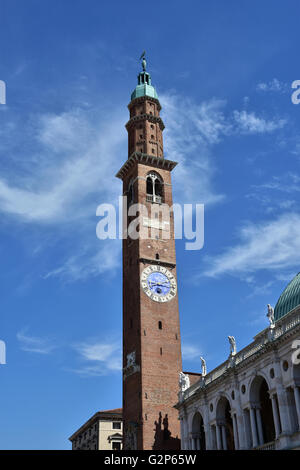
[(144, 87)]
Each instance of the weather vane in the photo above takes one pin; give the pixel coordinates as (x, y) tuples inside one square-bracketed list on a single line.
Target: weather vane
[(144, 63)]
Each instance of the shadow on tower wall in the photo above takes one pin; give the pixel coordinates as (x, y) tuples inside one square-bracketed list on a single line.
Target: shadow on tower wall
[(163, 440)]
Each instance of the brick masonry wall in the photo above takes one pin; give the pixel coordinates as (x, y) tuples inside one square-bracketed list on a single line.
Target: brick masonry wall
[(149, 396)]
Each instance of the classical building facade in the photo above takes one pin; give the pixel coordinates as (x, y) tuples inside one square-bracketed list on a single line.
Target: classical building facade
[(252, 400), (151, 333), (103, 431)]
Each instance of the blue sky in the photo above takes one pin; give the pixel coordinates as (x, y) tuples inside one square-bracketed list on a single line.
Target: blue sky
[(223, 72)]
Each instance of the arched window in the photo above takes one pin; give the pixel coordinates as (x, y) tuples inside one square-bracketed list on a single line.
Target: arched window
[(130, 194), (154, 188)]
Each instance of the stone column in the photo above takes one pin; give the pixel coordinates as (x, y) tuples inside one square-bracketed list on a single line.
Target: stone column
[(213, 438), (235, 432), (182, 433), (275, 416), (224, 440), (253, 427), (246, 428), (219, 442), (198, 444), (297, 401), (283, 410), (207, 429), (259, 426)]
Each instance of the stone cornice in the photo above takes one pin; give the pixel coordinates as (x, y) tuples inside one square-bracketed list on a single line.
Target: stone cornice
[(288, 327), (142, 99), (157, 261), (145, 159), (144, 117)]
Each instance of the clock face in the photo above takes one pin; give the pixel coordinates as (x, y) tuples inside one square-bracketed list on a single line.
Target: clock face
[(158, 283)]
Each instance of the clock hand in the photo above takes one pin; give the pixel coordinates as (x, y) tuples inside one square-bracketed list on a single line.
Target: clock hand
[(159, 283)]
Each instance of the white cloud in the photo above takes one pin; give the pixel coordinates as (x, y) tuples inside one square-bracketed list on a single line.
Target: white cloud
[(88, 263), (273, 85), (34, 344), (191, 131), (74, 155), (271, 245), (100, 358), (288, 182), (190, 352), (58, 189), (249, 123)]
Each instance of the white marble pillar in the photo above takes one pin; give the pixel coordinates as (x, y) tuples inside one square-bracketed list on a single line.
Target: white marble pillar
[(275, 416), (213, 438), (259, 426), (224, 440), (235, 432), (182, 433), (219, 443), (253, 427), (297, 401), (283, 410)]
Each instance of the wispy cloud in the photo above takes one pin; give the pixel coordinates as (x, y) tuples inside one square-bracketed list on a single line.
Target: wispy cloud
[(191, 352), (72, 157), (250, 123), (34, 344), (191, 131), (271, 245), (99, 358), (274, 85), (287, 183), (271, 195), (78, 157), (89, 263)]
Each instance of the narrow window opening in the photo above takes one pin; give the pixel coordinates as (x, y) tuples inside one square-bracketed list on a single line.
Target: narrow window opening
[(144, 332), (160, 326), (157, 256), (161, 351)]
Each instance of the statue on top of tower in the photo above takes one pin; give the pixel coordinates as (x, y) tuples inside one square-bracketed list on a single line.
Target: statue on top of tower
[(143, 59)]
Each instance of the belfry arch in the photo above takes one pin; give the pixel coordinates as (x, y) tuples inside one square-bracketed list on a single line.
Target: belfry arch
[(154, 187)]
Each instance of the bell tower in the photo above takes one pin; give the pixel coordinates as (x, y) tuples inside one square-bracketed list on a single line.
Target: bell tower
[(151, 330)]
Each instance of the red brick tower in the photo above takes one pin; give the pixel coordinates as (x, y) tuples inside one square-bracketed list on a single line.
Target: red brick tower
[(151, 332)]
